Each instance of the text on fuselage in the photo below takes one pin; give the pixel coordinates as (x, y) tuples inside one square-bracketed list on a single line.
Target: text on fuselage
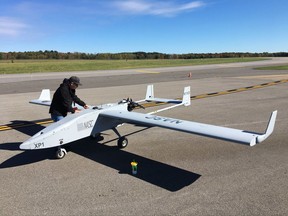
[(38, 145), (85, 125), (169, 120)]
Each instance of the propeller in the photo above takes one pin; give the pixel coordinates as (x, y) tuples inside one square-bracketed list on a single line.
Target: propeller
[(132, 104)]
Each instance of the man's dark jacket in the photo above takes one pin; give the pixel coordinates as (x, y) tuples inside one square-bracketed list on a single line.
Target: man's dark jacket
[(63, 99)]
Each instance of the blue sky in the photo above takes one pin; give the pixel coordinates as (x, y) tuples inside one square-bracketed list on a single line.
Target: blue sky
[(167, 26)]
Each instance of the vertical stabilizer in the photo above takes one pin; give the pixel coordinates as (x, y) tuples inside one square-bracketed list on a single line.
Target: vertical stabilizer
[(149, 93), (186, 96), (45, 95)]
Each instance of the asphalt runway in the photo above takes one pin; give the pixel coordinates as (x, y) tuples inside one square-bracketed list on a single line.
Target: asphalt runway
[(178, 173)]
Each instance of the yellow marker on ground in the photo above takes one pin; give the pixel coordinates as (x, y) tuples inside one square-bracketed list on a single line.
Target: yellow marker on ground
[(134, 167)]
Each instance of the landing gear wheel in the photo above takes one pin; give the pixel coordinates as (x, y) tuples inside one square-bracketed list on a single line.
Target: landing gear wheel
[(122, 142), (60, 153)]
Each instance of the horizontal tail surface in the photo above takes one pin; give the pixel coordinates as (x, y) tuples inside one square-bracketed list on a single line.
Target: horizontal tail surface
[(150, 97), (44, 98)]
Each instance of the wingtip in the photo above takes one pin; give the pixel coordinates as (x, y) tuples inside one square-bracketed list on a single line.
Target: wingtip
[(269, 129), (253, 142)]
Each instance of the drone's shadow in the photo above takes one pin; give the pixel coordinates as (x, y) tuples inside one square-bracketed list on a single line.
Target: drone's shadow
[(163, 175), (26, 157), (160, 174)]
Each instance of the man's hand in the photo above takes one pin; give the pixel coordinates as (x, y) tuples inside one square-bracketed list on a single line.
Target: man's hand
[(85, 107), (76, 110)]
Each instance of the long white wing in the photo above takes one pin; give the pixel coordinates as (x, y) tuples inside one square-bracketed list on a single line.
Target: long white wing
[(229, 134)]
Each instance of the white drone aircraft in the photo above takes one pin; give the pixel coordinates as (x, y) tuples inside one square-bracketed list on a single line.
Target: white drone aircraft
[(95, 120)]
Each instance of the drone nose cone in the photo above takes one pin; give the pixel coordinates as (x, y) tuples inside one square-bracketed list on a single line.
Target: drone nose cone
[(25, 145)]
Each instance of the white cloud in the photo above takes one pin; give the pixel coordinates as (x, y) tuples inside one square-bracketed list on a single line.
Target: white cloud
[(158, 7), (134, 6), (10, 27)]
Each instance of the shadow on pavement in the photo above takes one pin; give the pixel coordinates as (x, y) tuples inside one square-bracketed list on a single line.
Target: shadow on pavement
[(157, 173), (26, 157)]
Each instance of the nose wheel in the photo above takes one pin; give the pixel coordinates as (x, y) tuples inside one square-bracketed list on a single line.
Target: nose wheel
[(60, 153)]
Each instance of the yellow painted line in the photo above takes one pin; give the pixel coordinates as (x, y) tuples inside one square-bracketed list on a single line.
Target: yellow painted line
[(275, 76), (239, 89), (44, 122), (199, 96), (20, 125), (153, 104), (146, 71), (242, 89)]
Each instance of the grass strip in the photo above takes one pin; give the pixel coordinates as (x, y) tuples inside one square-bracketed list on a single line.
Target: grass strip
[(38, 66), (278, 67)]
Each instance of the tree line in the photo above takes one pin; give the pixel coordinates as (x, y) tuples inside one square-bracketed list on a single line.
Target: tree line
[(51, 54)]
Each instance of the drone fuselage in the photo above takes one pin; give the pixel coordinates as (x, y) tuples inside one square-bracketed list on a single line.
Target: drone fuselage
[(74, 127)]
